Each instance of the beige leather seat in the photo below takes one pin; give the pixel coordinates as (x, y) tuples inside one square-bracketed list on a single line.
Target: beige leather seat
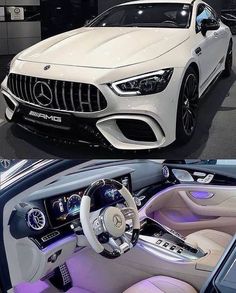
[(210, 240), (161, 284), (157, 284)]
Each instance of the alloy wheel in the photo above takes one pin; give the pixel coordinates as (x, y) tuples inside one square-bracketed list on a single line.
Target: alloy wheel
[(190, 104)]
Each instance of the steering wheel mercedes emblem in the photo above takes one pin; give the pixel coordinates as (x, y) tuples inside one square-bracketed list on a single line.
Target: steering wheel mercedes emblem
[(42, 93), (117, 221)]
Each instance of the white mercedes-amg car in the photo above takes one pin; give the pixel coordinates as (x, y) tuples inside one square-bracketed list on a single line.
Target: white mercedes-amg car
[(131, 79)]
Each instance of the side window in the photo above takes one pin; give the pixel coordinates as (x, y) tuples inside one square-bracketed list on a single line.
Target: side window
[(204, 12), (213, 13), (201, 14)]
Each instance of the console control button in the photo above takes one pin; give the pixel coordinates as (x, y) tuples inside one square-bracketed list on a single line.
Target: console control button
[(180, 250), (166, 244), (159, 242), (173, 247)]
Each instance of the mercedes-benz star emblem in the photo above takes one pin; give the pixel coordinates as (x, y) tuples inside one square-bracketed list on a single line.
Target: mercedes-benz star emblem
[(43, 93), (117, 221)]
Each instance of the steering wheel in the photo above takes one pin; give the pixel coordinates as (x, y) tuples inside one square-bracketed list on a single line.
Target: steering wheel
[(108, 225)]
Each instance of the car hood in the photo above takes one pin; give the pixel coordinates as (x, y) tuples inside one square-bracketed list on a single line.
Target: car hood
[(105, 47)]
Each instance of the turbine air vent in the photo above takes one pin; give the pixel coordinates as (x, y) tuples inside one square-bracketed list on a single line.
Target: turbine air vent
[(36, 219)]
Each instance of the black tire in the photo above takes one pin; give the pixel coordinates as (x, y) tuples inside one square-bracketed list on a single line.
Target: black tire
[(229, 61), (187, 112)]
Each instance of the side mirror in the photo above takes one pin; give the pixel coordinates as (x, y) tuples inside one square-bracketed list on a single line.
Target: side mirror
[(209, 25)]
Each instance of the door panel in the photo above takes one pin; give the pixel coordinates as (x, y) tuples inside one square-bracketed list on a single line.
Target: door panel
[(207, 59), (179, 210)]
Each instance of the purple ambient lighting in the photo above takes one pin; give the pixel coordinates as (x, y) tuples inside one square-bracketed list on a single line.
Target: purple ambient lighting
[(37, 287), (177, 217), (201, 194)]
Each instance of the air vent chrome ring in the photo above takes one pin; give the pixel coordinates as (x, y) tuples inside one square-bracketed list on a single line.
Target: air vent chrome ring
[(35, 219)]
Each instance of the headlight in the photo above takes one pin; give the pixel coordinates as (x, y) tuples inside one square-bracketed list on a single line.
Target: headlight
[(146, 84)]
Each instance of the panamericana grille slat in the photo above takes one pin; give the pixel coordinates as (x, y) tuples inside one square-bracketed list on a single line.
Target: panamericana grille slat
[(58, 95)]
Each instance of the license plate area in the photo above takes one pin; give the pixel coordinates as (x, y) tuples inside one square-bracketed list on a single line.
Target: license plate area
[(53, 118)]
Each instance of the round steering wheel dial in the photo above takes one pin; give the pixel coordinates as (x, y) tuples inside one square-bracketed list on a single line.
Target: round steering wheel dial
[(108, 225)]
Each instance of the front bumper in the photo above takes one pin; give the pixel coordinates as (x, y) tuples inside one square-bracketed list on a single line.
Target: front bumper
[(157, 112)]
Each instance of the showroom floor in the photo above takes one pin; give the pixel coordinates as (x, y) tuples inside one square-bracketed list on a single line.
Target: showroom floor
[(214, 138)]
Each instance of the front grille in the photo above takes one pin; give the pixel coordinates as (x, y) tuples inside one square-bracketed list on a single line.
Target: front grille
[(136, 130), (60, 95)]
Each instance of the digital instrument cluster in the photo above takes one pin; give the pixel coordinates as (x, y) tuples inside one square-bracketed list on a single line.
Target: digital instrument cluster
[(65, 208)]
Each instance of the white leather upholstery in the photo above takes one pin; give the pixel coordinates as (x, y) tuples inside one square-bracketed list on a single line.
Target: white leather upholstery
[(210, 240), (161, 284)]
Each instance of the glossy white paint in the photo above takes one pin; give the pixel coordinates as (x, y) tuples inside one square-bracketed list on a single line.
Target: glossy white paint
[(104, 55)]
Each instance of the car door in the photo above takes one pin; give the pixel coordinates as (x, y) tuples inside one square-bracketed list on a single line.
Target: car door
[(203, 198), (208, 48), (221, 35)]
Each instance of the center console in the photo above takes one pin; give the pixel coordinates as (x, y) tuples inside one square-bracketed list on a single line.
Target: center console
[(170, 243)]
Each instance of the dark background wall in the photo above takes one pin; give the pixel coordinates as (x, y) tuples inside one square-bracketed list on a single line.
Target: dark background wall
[(105, 4), (229, 4), (63, 15)]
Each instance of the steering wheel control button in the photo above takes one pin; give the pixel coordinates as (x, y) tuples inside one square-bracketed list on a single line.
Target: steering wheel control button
[(103, 238), (97, 227), (128, 213)]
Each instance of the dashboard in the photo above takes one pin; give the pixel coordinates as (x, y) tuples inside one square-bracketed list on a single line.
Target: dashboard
[(51, 217), (64, 208)]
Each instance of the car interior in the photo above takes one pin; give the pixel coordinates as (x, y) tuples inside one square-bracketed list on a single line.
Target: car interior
[(121, 226)]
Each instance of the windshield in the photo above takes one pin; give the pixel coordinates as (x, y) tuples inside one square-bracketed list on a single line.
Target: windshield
[(11, 168), (166, 15)]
